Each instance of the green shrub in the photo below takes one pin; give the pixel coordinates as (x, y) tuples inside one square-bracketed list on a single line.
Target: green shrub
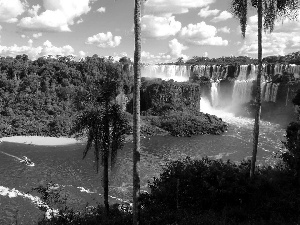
[(189, 123), (224, 188)]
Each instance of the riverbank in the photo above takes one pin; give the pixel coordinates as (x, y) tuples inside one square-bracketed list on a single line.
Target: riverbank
[(42, 140)]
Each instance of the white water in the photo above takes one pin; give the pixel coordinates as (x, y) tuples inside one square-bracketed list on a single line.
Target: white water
[(242, 91), (270, 137), (215, 86)]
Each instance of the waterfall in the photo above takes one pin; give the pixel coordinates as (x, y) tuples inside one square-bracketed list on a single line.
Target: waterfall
[(243, 72), (215, 86), (242, 91), (253, 72), (269, 92), (179, 73)]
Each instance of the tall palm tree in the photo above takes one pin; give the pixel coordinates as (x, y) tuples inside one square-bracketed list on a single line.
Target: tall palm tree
[(136, 111), (105, 127), (268, 11), (103, 120)]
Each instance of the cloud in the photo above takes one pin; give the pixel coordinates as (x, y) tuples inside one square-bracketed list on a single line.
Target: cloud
[(176, 48), (101, 10), (169, 7), (224, 29), (34, 10), (20, 50), (30, 42), (147, 57), (174, 52), (206, 12), (82, 54), (58, 15), (103, 40), (37, 35), (283, 40), (34, 52), (79, 21), (23, 36), (222, 17), (159, 27), (10, 9), (49, 49), (201, 34)]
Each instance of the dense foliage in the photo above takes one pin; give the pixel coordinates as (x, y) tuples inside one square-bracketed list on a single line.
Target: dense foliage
[(207, 191), (203, 186), (188, 123), (174, 107), (159, 96), (42, 97)]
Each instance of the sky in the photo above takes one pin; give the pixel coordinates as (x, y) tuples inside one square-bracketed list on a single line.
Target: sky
[(170, 29)]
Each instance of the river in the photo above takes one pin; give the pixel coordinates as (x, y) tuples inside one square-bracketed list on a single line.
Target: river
[(64, 165)]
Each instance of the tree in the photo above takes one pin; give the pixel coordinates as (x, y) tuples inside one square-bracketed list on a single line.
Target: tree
[(104, 121), (268, 11), (105, 127), (136, 111)]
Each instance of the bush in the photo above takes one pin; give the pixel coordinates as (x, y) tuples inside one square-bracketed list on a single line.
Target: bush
[(188, 123), (199, 187), (291, 157)]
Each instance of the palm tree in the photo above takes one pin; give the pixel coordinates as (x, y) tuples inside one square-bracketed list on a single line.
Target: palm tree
[(105, 127), (268, 11), (136, 111), (103, 121)]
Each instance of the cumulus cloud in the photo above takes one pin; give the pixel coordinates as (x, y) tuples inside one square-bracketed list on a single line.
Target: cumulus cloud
[(176, 48), (34, 10), (174, 52), (103, 40), (159, 27), (82, 54), (201, 34), (20, 50), (147, 57), (222, 17), (37, 35), (10, 9), (34, 52), (206, 12), (49, 49), (169, 7), (283, 40), (58, 15), (224, 29), (101, 10)]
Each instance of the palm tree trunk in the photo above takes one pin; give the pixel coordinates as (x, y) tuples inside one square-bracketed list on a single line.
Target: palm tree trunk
[(136, 111), (105, 157), (258, 92), (105, 184)]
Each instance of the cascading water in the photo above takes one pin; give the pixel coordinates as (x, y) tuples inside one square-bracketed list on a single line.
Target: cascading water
[(180, 73), (215, 93), (242, 91)]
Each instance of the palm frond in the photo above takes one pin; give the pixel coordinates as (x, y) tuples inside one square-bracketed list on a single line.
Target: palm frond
[(287, 9), (89, 143), (239, 9), (270, 15)]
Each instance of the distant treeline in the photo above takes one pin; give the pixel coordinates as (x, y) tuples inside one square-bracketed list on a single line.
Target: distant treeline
[(292, 58)]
